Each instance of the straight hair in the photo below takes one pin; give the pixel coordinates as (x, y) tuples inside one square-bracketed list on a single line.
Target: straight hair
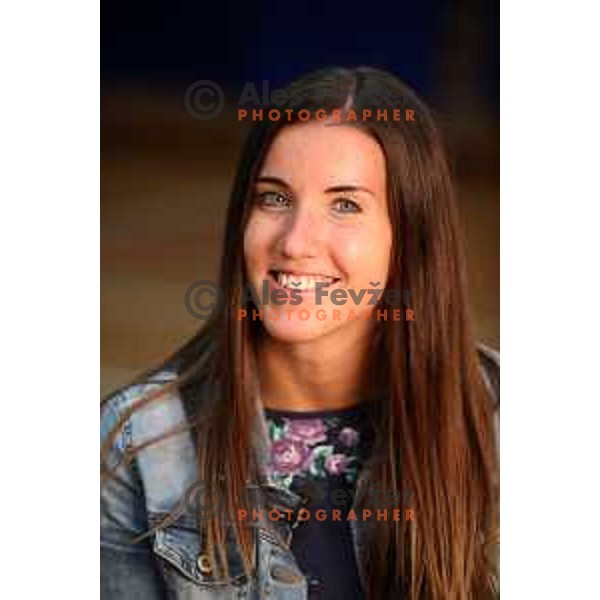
[(434, 419)]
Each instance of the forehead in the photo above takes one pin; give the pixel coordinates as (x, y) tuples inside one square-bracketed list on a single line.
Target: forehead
[(320, 154)]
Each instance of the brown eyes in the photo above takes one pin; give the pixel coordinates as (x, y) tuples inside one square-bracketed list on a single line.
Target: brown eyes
[(281, 201)]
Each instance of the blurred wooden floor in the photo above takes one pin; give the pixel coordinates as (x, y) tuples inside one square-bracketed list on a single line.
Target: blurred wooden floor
[(165, 181)]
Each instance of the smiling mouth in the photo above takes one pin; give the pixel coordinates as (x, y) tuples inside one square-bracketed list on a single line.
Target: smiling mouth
[(304, 282)]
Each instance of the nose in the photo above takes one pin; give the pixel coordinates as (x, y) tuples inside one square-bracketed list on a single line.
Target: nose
[(301, 235)]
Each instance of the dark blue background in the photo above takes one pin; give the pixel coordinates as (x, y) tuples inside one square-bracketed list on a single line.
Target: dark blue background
[(167, 41)]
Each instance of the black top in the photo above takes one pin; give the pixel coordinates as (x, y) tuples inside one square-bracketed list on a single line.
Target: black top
[(318, 455)]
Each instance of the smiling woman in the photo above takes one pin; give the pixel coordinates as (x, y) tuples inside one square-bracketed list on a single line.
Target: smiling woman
[(256, 414)]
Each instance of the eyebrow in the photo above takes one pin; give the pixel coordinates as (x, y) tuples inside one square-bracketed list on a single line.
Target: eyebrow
[(274, 180), (348, 188), (336, 189)]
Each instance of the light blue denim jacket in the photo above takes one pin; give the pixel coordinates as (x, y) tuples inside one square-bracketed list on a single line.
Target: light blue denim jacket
[(170, 563)]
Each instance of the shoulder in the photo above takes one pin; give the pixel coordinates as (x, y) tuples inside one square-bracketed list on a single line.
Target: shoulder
[(147, 424), (120, 409), (138, 403)]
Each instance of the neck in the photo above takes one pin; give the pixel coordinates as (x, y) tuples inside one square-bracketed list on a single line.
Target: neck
[(320, 375)]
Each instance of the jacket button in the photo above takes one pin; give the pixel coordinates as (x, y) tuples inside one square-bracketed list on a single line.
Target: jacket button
[(285, 575), (204, 565)]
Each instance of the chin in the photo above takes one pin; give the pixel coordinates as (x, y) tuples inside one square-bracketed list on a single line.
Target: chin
[(295, 331)]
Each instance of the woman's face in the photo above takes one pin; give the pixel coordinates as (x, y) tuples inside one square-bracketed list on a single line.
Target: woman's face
[(319, 219)]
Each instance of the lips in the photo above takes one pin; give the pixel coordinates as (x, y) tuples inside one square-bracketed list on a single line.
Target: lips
[(301, 281)]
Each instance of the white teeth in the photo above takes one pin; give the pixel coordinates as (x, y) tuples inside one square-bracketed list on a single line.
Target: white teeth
[(303, 282)]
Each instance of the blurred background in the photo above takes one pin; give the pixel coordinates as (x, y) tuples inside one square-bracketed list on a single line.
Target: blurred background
[(166, 175)]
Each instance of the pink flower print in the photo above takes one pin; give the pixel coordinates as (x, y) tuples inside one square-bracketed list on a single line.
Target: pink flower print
[(348, 437), (335, 464), (288, 456), (308, 431)]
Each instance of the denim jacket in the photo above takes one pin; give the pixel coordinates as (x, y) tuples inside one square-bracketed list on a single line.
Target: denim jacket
[(170, 563)]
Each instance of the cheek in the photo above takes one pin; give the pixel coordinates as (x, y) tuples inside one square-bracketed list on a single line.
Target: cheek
[(252, 251), (380, 247), (259, 238), (364, 253)]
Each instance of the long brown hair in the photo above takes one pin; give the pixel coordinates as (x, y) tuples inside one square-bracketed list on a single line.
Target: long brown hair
[(434, 427)]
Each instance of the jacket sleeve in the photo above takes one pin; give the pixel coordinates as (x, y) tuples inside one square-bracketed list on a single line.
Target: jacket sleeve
[(128, 570)]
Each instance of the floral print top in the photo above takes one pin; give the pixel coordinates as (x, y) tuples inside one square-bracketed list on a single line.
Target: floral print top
[(319, 455), (314, 445)]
